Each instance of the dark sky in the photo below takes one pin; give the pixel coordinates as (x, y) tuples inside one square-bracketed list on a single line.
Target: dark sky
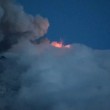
[(75, 21)]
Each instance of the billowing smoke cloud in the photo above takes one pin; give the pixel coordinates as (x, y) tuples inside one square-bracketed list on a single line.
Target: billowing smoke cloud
[(16, 24), (42, 77)]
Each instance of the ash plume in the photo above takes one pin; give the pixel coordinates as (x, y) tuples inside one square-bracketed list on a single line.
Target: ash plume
[(42, 77), (16, 24)]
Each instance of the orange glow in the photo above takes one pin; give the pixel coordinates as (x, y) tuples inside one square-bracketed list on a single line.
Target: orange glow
[(59, 45)]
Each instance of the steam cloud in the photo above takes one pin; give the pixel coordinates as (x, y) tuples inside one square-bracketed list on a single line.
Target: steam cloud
[(42, 77)]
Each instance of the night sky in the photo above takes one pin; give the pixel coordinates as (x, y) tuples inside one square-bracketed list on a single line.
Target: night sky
[(74, 21)]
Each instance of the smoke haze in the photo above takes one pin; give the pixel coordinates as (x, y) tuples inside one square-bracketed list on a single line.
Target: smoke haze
[(42, 77)]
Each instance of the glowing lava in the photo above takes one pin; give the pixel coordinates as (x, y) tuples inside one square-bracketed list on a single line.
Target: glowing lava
[(59, 45)]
